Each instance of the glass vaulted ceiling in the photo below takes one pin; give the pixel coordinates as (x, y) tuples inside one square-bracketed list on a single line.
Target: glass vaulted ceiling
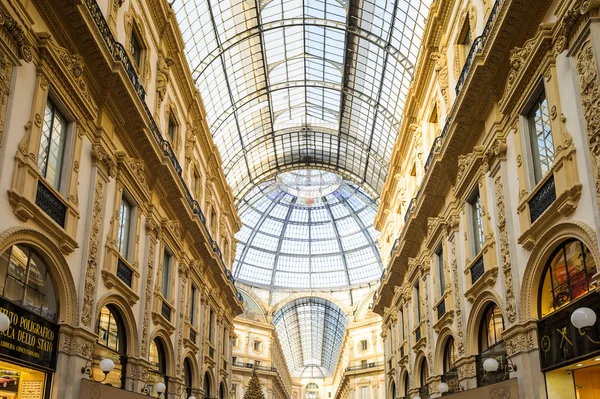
[(307, 230), (312, 83)]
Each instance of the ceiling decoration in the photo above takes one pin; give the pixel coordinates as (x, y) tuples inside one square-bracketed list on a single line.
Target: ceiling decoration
[(303, 83), (311, 331), (307, 230)]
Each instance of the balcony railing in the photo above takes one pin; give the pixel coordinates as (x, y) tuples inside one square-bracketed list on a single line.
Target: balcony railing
[(365, 366), (254, 366), (542, 199), (451, 378), (51, 204), (441, 309), (497, 352), (119, 54), (477, 270), (478, 45), (165, 310), (124, 272)]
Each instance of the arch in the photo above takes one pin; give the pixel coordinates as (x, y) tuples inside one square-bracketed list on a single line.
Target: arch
[(438, 361), (127, 317), (292, 297), (479, 306), (208, 382), (420, 362), (405, 383), (189, 357), (392, 390), (64, 285), (165, 341), (222, 391), (540, 254)]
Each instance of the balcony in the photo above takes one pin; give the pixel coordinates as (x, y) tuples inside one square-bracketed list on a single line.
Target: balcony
[(51, 204), (124, 272), (477, 270), (542, 199), (497, 352), (365, 366), (254, 367)]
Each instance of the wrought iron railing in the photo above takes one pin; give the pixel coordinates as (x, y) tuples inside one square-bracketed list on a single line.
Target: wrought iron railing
[(435, 148), (477, 270), (165, 310), (441, 308), (395, 247), (51, 204), (478, 45), (451, 378), (542, 199), (497, 352), (124, 272), (119, 54), (254, 366), (365, 366)]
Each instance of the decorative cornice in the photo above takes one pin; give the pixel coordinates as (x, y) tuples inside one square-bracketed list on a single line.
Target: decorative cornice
[(16, 32)]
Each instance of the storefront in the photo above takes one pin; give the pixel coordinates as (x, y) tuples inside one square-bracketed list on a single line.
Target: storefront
[(27, 354), (569, 356), (28, 347)]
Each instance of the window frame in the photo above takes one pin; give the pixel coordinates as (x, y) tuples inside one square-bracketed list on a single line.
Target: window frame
[(126, 197), (193, 305), (364, 345), (417, 302), (166, 273), (535, 174), (483, 325), (440, 267), (62, 170), (121, 351), (475, 222), (136, 38)]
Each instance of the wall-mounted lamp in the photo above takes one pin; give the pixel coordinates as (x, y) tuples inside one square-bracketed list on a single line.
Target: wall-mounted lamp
[(443, 387), (584, 319), (106, 366), (4, 322), (491, 365)]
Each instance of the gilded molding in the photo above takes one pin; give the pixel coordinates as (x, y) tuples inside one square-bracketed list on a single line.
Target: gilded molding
[(93, 254), (17, 33), (511, 310)]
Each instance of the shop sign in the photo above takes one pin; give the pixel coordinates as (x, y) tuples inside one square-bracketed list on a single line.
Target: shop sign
[(561, 343), (30, 338)]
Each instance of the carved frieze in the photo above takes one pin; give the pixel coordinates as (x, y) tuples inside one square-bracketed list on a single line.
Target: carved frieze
[(89, 291), (16, 32)]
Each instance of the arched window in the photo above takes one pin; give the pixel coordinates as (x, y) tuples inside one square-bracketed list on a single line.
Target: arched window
[(111, 344), (450, 376), (423, 373), (449, 355), (393, 390), (491, 327), (221, 391), (567, 276), (24, 279), (158, 370), (206, 385), (312, 391), (187, 377), (491, 345), (406, 383)]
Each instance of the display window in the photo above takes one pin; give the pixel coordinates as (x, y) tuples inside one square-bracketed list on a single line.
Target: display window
[(17, 382)]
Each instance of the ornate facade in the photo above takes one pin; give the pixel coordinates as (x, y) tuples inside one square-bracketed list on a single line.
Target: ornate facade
[(491, 207), (118, 223)]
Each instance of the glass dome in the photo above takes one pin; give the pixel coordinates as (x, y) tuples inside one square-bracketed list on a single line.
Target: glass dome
[(307, 230)]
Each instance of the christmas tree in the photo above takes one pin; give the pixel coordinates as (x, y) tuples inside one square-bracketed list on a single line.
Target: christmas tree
[(254, 390)]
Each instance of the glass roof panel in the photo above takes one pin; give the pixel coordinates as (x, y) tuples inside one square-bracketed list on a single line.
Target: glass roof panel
[(336, 72), (311, 331), (312, 227)]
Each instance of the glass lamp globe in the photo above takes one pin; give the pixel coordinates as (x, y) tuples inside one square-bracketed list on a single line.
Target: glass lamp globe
[(107, 365), (4, 322), (416, 397), (192, 397), (161, 387), (443, 387), (583, 317), (490, 365)]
